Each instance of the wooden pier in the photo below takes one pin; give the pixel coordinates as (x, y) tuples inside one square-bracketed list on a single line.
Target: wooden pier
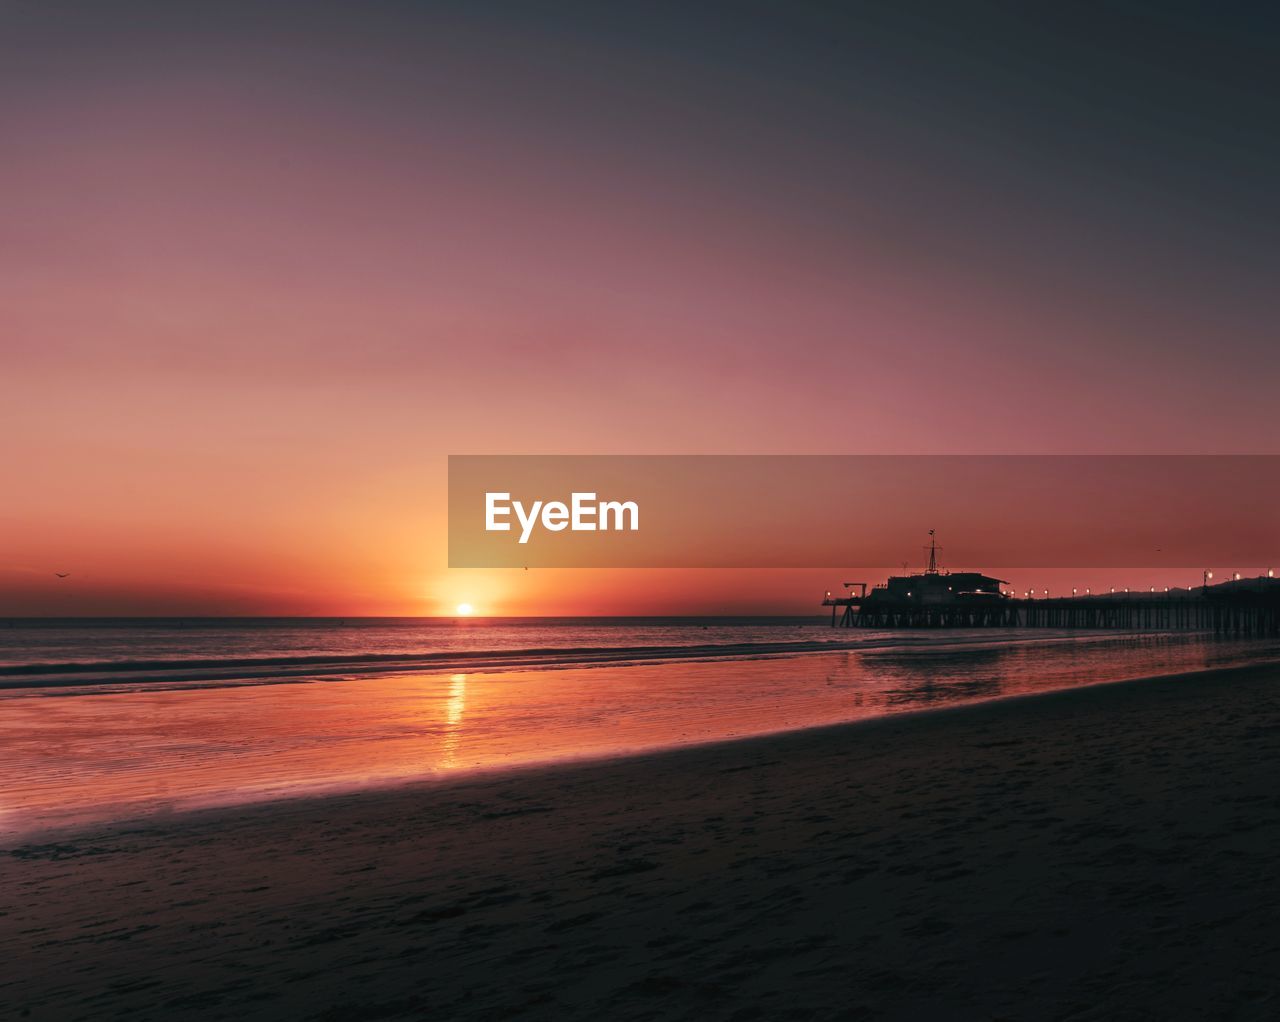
[(1225, 613)]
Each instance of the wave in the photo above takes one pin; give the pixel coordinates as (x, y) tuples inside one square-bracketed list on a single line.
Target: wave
[(114, 672), (298, 667)]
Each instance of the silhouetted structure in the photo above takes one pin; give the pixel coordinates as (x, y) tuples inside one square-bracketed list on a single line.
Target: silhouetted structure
[(941, 599)]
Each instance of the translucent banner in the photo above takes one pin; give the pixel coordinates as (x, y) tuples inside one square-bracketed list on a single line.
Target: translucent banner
[(784, 511)]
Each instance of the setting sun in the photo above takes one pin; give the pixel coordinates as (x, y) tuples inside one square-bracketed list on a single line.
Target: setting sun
[(464, 609)]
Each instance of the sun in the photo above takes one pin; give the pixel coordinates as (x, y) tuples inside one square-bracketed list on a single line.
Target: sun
[(464, 609)]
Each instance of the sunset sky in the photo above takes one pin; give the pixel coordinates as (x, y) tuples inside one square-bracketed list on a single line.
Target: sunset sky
[(261, 272)]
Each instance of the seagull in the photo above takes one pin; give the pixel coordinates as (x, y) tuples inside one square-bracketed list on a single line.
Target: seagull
[(62, 574)]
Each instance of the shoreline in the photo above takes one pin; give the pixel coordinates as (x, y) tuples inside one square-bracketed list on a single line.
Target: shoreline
[(1102, 851), (17, 838)]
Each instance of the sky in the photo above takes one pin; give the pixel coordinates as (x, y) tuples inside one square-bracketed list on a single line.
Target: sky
[(263, 268)]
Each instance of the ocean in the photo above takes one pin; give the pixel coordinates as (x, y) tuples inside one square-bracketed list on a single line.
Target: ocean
[(104, 720), (212, 642)]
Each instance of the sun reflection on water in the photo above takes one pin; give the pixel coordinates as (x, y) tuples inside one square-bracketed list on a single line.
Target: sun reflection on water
[(454, 709)]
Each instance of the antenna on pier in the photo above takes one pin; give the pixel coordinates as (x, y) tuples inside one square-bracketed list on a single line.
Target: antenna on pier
[(933, 555)]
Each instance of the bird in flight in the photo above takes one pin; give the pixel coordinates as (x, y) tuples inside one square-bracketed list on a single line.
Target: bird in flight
[(63, 574)]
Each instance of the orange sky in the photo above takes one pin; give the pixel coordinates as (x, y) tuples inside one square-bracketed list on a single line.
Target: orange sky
[(251, 297)]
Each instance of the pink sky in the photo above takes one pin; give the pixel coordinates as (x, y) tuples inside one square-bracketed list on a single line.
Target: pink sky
[(245, 317)]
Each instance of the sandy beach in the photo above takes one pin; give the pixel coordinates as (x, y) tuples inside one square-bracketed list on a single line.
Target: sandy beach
[(1105, 852)]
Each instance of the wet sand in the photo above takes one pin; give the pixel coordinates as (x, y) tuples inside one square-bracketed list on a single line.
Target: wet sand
[(1105, 852)]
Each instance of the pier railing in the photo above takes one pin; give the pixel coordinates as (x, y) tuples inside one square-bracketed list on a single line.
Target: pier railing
[(1237, 613)]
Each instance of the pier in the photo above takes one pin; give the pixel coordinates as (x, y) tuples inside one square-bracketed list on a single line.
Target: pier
[(935, 598), (1241, 613)]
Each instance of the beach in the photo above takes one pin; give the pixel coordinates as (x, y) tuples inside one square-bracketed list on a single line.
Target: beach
[(607, 512), (1102, 852)]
